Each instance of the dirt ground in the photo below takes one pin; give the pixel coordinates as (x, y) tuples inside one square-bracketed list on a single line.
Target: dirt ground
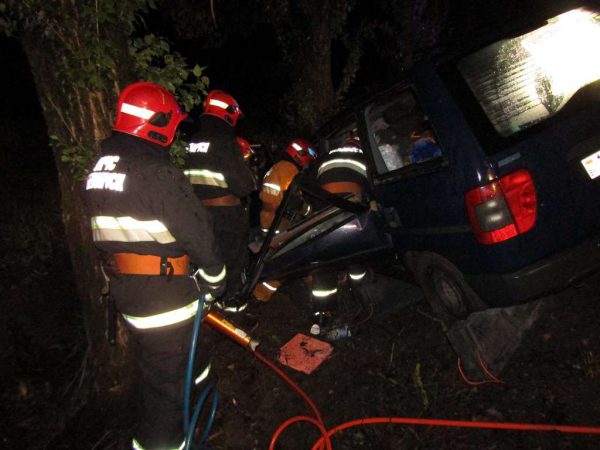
[(397, 363)]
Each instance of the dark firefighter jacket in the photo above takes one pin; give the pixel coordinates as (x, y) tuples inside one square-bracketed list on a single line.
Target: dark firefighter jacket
[(345, 163), (139, 202), (215, 165)]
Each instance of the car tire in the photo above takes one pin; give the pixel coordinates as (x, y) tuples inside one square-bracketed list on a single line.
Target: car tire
[(445, 288)]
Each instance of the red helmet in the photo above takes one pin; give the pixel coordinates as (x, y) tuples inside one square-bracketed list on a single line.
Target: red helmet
[(247, 151), (148, 111), (223, 105), (301, 151)]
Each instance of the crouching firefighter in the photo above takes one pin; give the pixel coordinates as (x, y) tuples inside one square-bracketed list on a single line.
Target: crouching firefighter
[(298, 156), (145, 216)]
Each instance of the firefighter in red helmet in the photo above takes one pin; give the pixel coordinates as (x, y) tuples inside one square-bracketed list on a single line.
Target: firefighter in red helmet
[(144, 215), (250, 158), (222, 182), (247, 151), (298, 155)]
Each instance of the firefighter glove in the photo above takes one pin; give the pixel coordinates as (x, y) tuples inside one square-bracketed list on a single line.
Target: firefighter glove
[(211, 285)]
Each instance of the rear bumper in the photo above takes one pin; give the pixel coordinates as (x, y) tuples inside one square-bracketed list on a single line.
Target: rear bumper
[(544, 277)]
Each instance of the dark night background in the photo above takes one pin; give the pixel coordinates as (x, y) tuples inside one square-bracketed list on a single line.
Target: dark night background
[(43, 350)]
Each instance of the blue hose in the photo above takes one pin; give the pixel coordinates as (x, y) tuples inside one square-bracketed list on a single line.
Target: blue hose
[(189, 424)]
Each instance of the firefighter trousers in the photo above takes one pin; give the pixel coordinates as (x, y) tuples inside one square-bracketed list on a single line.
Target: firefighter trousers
[(231, 225), (160, 354), (162, 361)]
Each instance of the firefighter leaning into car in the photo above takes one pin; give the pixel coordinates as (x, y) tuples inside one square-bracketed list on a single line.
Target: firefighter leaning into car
[(247, 151), (148, 224), (298, 156), (249, 156), (223, 181), (342, 171)]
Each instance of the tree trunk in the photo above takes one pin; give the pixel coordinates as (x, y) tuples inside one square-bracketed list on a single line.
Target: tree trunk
[(315, 81), (303, 30), (75, 114)]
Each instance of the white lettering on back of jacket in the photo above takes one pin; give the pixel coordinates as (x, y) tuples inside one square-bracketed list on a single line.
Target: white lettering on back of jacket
[(103, 176), (198, 147)]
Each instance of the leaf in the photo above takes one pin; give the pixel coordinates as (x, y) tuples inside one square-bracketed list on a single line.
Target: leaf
[(197, 70)]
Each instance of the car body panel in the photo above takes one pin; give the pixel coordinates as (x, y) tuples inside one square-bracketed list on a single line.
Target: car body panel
[(331, 237)]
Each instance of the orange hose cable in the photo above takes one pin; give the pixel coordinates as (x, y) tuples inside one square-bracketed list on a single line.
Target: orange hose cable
[(323, 440), (462, 424), (292, 384), (468, 380), (487, 371), (317, 420)]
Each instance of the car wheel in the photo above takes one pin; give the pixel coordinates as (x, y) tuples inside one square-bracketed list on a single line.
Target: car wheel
[(445, 287)]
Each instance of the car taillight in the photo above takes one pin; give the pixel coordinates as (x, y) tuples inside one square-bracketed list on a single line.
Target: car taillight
[(503, 208)]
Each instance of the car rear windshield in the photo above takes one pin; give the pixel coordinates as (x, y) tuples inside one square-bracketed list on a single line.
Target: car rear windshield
[(522, 81)]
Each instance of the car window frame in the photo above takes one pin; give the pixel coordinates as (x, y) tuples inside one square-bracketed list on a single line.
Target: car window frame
[(373, 154)]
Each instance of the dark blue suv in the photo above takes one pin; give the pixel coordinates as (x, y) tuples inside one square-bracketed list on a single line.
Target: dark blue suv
[(485, 172)]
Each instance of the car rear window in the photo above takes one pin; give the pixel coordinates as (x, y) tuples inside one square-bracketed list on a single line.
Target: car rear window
[(522, 81)]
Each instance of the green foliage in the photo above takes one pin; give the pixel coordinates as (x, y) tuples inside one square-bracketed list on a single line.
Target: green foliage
[(84, 32), (178, 151), (75, 153), (154, 61)]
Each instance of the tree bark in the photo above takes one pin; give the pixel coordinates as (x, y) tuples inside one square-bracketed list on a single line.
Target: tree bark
[(76, 114), (315, 85), (305, 33)]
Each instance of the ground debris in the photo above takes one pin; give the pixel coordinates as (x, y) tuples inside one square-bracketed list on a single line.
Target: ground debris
[(396, 365)]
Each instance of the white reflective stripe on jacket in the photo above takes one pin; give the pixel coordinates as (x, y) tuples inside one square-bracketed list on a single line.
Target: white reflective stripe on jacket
[(163, 319), (206, 177), (321, 293), (269, 286), (128, 229), (213, 279), (272, 189), (356, 276), (343, 163), (203, 375), (346, 150)]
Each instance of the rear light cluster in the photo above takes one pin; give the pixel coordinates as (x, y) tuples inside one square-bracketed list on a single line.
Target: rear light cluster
[(503, 208)]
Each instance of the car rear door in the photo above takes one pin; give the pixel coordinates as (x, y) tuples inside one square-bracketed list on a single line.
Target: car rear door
[(534, 102)]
